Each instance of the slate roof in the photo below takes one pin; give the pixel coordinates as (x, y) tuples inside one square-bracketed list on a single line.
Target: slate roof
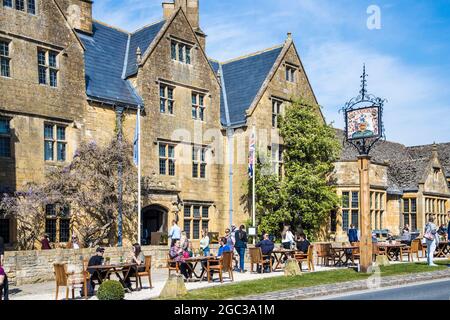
[(407, 165), (104, 62), (141, 38), (243, 78)]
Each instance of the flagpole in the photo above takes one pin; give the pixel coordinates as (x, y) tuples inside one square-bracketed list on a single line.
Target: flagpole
[(254, 185), (139, 174)]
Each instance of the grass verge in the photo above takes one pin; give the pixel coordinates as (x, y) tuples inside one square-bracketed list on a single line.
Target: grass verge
[(280, 283)]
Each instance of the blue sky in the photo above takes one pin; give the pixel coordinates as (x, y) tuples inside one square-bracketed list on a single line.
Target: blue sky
[(408, 59)]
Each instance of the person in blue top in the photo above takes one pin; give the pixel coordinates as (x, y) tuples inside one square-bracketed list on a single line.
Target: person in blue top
[(267, 247), (352, 234), (224, 247), (174, 233), (241, 245)]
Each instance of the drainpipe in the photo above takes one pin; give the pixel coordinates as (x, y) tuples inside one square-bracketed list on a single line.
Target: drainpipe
[(230, 143)]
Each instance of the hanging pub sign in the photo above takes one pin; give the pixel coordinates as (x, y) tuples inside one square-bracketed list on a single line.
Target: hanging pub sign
[(363, 123)]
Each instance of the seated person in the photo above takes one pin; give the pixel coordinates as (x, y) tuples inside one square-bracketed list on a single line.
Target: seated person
[(405, 230), (442, 230), (374, 238), (223, 247), (267, 247), (302, 243), (3, 284), (138, 258), (96, 260), (177, 255)]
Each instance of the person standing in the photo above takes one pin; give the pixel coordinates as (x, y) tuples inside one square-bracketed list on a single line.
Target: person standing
[(3, 285), (352, 234), (45, 244), (204, 243), (241, 245), (448, 227), (174, 233), (432, 239), (2, 250), (287, 238)]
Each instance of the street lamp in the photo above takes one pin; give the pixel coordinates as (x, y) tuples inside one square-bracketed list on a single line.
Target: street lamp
[(364, 128)]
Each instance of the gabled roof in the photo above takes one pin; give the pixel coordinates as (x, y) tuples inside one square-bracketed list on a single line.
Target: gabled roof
[(407, 165), (140, 39), (104, 56), (243, 78)]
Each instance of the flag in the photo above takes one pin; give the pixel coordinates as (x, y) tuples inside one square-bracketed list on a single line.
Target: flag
[(251, 154), (136, 139)]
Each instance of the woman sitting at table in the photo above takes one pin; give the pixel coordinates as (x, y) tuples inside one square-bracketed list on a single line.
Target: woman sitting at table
[(136, 257), (177, 255)]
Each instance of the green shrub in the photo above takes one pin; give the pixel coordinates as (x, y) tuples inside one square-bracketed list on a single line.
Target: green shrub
[(111, 290)]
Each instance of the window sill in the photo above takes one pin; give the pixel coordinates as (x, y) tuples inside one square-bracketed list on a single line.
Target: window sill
[(5, 77)]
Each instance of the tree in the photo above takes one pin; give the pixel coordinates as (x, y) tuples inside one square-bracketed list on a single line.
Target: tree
[(304, 197), (89, 185)]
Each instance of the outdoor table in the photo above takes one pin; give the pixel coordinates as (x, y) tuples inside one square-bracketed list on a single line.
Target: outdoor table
[(340, 252), (104, 272), (392, 250), (278, 255), (442, 249), (194, 261)]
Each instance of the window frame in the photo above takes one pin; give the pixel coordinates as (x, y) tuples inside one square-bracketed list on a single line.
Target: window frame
[(278, 160), (9, 5), (198, 106), (191, 220), (54, 220), (166, 99), (348, 210), (377, 209), (277, 111), (199, 162), (181, 51), (56, 142), (6, 136), (48, 67), (5, 59), (169, 161), (291, 74)]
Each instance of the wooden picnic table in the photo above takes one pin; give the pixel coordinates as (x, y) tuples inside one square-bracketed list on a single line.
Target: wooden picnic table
[(392, 250), (442, 249), (103, 272), (342, 254), (194, 261), (278, 255)]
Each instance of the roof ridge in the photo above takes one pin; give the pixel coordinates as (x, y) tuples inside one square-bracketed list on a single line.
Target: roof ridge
[(428, 145), (147, 26), (252, 54), (110, 26), (214, 60)]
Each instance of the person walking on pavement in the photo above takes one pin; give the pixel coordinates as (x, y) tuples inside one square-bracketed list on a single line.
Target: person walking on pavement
[(432, 240)]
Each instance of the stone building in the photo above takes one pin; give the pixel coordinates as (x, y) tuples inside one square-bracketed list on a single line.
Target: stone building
[(408, 184), (67, 78)]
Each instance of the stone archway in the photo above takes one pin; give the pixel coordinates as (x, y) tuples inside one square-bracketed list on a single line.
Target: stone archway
[(154, 219)]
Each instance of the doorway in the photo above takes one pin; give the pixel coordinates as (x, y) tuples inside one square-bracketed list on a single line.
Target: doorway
[(154, 219)]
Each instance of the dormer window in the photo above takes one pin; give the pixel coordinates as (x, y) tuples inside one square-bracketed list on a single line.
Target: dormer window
[(180, 52)]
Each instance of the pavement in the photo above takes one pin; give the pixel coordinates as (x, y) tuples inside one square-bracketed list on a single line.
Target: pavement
[(430, 290), (46, 290)]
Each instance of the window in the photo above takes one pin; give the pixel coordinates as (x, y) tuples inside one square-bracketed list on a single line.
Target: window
[(7, 3), (180, 52), (277, 159), (167, 102), (276, 112), (32, 6), (376, 210), (198, 162), (196, 218), (166, 159), (57, 223), (5, 230), (333, 221), (290, 74), (198, 106), (20, 5), (48, 64), (435, 207), (5, 138), (54, 135), (410, 213), (350, 209), (4, 59)]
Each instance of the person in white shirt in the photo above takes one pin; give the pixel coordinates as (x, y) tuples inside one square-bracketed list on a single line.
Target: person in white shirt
[(287, 238), (204, 243), (174, 233)]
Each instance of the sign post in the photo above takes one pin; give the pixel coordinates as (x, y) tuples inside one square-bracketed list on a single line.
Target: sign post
[(364, 128)]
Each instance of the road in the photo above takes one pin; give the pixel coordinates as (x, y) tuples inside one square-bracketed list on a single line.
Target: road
[(433, 290)]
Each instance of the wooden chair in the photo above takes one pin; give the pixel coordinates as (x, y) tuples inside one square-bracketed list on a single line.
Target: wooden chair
[(377, 251), (146, 272), (423, 248), (172, 265), (410, 251), (256, 257), (62, 280), (224, 264), (356, 253), (323, 251), (308, 258)]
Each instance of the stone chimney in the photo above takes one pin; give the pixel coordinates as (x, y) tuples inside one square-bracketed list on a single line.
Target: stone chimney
[(190, 8), (79, 13)]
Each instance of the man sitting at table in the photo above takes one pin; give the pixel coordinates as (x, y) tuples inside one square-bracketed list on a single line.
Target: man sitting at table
[(302, 243), (223, 247), (96, 260), (267, 247)]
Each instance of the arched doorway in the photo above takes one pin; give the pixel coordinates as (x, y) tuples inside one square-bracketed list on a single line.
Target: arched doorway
[(154, 219)]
